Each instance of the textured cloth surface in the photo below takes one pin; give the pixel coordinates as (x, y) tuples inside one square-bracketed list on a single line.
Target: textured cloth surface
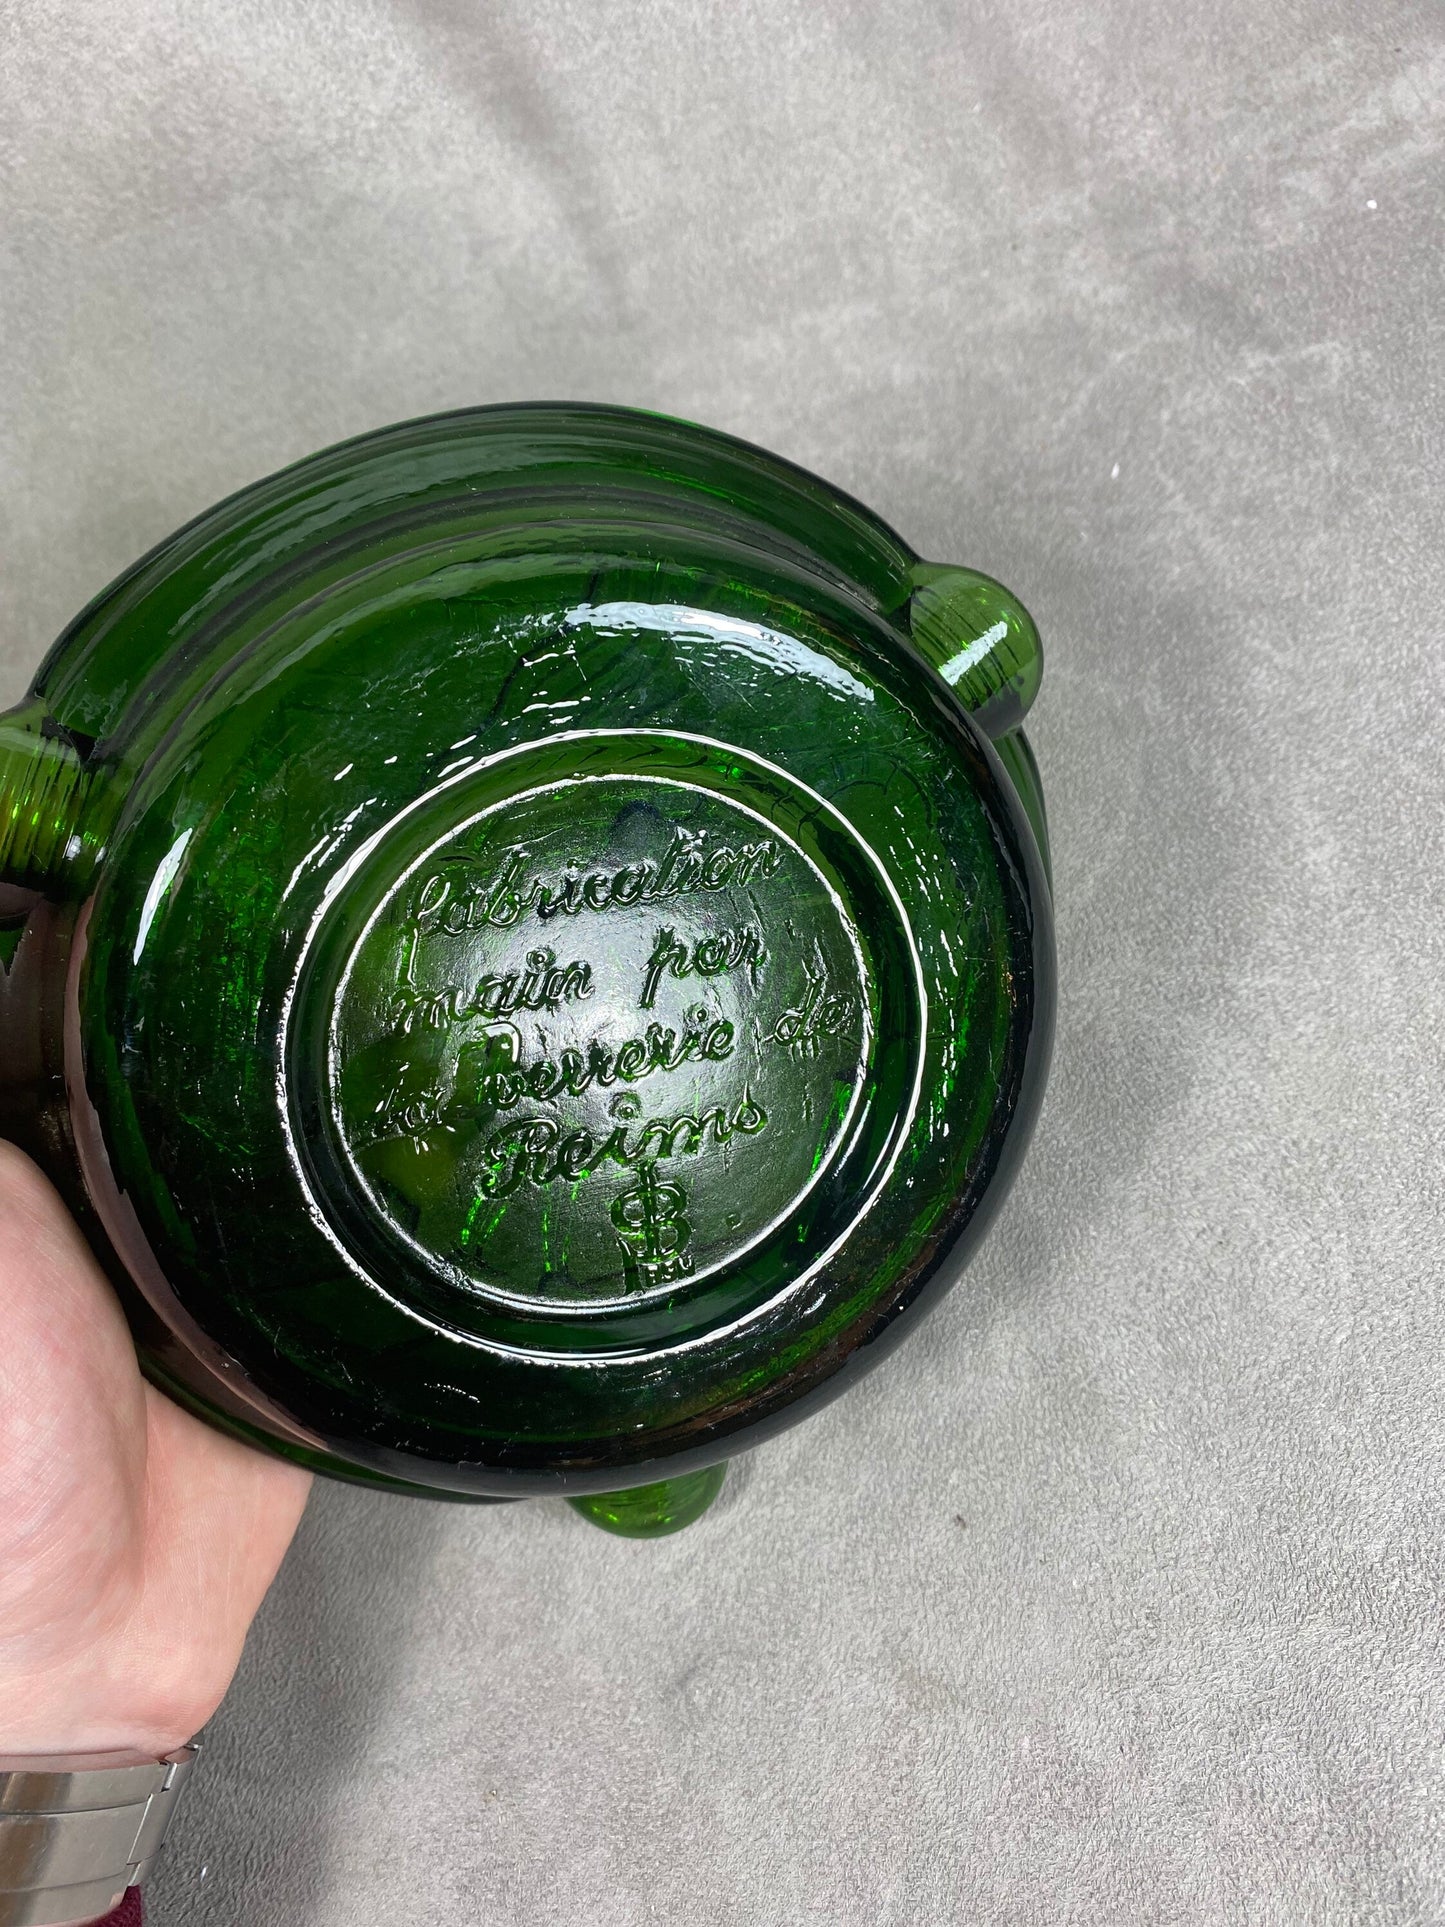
[(1115, 1596)]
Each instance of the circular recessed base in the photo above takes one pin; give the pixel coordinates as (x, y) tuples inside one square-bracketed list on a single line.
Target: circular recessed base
[(589, 1034)]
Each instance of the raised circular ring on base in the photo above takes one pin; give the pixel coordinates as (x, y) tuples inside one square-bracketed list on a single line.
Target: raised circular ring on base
[(601, 1041)]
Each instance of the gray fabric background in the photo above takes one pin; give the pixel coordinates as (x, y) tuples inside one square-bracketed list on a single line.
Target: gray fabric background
[(1116, 1595)]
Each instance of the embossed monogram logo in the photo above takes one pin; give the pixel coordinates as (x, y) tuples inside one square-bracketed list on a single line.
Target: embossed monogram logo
[(652, 1231)]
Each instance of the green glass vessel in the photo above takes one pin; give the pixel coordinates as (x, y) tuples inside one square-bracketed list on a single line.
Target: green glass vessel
[(540, 961)]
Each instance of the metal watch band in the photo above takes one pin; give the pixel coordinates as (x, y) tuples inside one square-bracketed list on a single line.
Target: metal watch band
[(75, 1833)]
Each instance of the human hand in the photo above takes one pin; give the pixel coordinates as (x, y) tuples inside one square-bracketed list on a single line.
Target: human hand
[(135, 1543)]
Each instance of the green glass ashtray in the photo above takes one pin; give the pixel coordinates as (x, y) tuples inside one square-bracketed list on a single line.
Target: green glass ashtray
[(540, 964)]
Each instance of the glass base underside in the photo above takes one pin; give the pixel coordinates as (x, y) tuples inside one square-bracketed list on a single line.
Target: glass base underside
[(560, 973)]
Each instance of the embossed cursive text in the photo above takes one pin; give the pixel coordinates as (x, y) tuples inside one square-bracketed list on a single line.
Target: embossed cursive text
[(455, 904), (710, 956), (538, 1150)]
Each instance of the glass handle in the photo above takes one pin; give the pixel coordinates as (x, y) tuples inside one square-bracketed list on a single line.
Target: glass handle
[(981, 640), (651, 1511), (48, 840)]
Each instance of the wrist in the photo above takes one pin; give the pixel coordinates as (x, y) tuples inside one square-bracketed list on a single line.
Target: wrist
[(132, 1735), (103, 1703)]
